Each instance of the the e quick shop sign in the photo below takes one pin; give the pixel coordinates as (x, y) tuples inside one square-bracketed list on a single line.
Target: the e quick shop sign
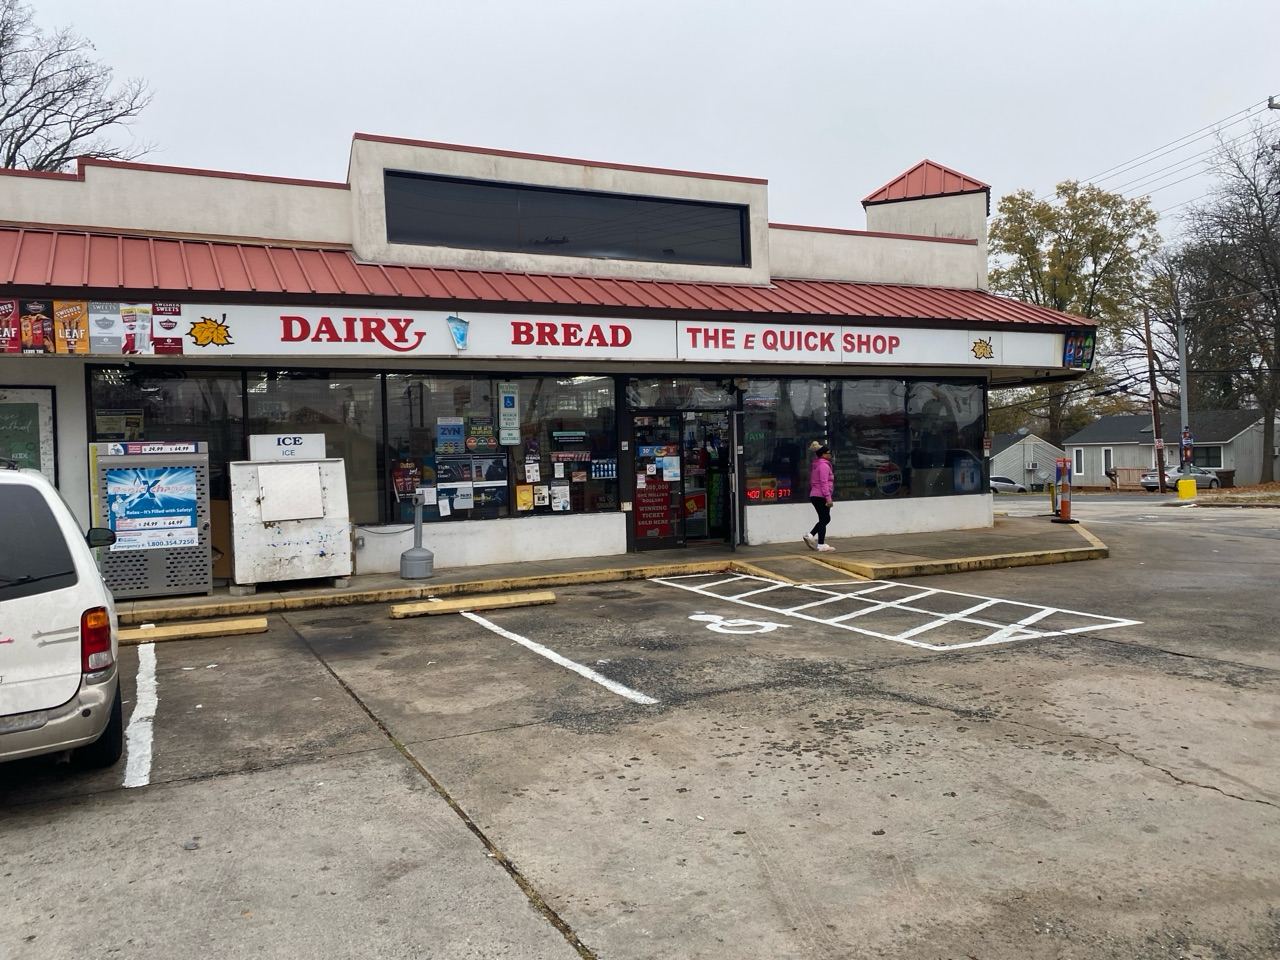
[(235, 331)]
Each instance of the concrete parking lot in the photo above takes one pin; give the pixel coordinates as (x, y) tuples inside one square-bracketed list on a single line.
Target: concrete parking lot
[(1072, 761)]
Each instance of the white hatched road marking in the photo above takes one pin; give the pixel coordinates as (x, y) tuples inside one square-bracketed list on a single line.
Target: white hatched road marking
[(1022, 629)]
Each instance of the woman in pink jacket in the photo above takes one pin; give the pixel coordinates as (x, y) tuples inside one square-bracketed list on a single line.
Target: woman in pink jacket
[(822, 487)]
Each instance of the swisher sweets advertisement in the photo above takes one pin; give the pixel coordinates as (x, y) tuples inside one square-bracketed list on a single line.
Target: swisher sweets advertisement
[(82, 327)]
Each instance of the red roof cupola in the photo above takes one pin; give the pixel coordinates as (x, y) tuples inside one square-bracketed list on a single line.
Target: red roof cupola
[(927, 179)]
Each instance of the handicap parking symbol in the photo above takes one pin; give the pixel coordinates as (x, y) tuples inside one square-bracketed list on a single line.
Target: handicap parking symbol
[(721, 624)]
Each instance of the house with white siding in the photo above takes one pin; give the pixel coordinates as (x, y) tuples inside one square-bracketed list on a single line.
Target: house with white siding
[(1024, 457), (1228, 441)]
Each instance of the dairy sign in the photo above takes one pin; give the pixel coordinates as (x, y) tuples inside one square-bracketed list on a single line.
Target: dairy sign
[(226, 330)]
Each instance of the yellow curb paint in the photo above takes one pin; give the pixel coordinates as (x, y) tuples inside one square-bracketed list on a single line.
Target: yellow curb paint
[(1089, 536), (194, 631), (754, 570), (431, 608), (1001, 561), (834, 566)]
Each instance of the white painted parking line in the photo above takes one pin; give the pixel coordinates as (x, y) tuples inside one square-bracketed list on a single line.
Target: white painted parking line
[(752, 593), (138, 736), (968, 620), (611, 685), (965, 614)]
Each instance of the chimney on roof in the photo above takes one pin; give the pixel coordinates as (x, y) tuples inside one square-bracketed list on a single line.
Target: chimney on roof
[(931, 200)]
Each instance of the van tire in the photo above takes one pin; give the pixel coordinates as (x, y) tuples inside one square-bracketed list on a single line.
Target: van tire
[(1213, 484), (107, 749)]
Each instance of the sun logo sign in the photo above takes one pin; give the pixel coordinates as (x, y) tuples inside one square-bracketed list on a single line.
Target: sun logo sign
[(982, 349), (210, 332)]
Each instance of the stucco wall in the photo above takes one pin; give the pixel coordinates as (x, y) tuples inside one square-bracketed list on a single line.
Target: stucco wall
[(369, 158), (819, 255), (120, 198), (511, 540), (787, 522), (963, 216)]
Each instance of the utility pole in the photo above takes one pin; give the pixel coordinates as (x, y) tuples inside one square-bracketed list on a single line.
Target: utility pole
[(1155, 403), (1185, 387)]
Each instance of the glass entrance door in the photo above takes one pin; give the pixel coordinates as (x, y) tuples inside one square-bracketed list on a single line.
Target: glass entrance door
[(682, 474), (705, 476), (657, 510)]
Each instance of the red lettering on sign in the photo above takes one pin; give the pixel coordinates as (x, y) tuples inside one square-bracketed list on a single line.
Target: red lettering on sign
[(325, 332), (870, 343), (568, 333), (401, 326), (294, 329)]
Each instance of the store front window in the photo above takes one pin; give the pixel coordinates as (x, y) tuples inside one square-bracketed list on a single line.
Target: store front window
[(869, 439), (780, 419), (679, 393), (173, 404), (502, 447), (346, 407), (888, 437), (945, 421)]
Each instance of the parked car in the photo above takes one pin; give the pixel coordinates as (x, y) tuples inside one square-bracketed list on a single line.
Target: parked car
[(1205, 479), (1007, 485), (59, 686)]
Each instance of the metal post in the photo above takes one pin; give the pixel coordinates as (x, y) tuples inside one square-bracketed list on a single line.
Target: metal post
[(1185, 388), (1155, 404)]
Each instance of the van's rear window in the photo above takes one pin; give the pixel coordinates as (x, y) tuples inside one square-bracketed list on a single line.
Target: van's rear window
[(34, 557)]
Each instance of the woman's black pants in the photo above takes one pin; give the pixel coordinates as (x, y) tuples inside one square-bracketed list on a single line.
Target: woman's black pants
[(824, 517)]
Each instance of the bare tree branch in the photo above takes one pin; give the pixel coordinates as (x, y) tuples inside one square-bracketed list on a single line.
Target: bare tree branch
[(57, 102)]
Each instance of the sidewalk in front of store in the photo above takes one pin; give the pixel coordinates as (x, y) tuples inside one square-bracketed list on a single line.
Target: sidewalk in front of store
[(1012, 542)]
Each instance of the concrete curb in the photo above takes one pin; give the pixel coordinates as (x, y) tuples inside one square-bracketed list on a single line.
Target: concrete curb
[(204, 609), (251, 606), (1097, 550)]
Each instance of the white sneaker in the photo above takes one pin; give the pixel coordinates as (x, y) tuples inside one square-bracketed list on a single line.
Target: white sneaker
[(811, 540), (825, 548)]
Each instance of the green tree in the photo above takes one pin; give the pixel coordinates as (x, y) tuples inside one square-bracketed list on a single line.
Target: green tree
[(1080, 252), (56, 101)]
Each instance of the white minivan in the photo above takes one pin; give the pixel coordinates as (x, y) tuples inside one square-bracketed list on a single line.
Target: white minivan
[(59, 687)]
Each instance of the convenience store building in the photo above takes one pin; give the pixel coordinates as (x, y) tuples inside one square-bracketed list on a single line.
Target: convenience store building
[(583, 358)]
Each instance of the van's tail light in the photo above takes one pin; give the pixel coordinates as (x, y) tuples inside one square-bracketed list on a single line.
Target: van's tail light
[(95, 640)]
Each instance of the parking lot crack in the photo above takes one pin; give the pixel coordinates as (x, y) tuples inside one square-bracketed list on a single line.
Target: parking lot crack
[(536, 900), (993, 717), (1180, 780)]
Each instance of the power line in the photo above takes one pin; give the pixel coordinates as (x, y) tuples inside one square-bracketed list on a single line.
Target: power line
[(1249, 111), (1179, 165), (1182, 204)]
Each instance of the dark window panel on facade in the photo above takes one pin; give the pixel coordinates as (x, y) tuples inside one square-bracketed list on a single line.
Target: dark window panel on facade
[(478, 215)]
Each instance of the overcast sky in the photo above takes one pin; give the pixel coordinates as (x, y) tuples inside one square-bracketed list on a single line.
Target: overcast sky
[(827, 100)]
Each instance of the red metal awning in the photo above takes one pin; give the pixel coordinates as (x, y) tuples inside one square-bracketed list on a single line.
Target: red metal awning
[(48, 263)]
